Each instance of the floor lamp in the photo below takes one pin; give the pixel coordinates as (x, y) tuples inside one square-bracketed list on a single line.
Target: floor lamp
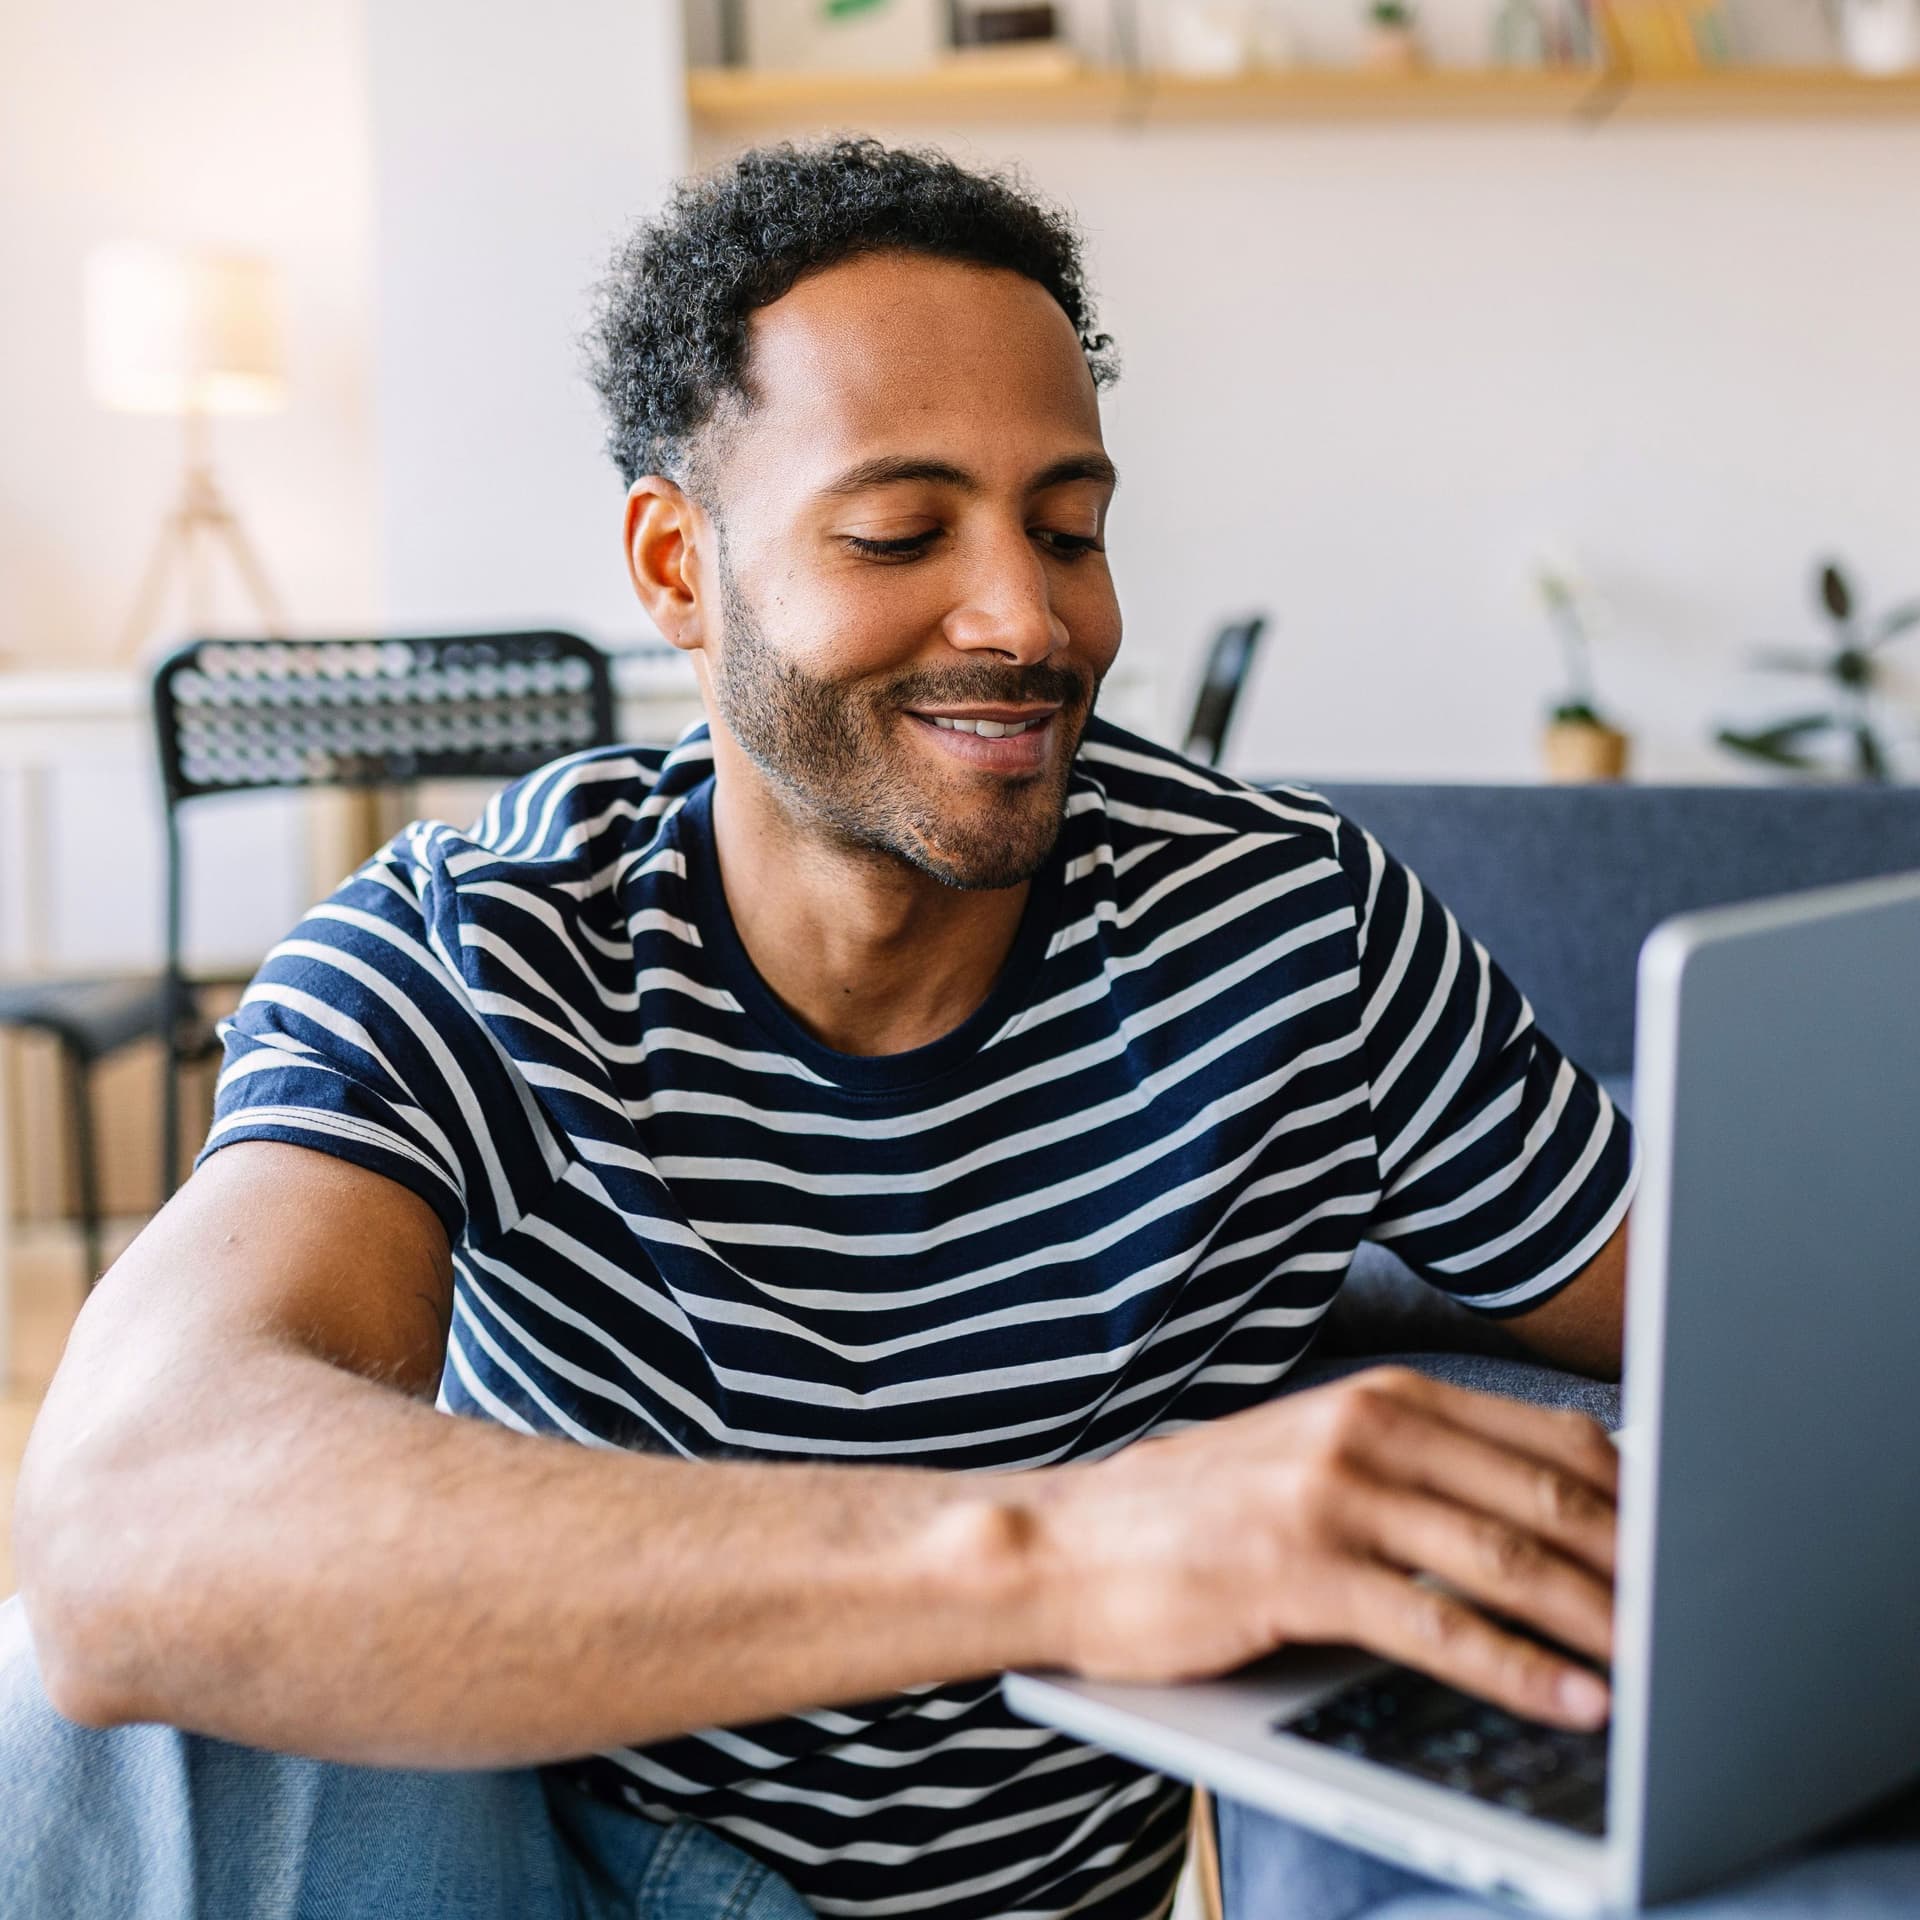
[(190, 334)]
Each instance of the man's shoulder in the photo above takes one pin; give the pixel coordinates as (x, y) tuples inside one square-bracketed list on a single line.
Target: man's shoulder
[(1146, 789), (575, 825)]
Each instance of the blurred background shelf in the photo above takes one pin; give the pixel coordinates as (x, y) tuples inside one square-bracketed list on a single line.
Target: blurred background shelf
[(722, 98)]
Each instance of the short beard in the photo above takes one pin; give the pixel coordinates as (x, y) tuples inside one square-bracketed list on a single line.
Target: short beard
[(832, 749)]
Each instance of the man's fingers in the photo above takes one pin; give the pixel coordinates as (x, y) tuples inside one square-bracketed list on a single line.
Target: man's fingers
[(1501, 1566), (1402, 1440), (1555, 1436), (1527, 1495), (1419, 1626)]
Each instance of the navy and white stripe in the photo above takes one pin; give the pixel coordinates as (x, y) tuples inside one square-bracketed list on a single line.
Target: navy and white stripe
[(1234, 1038)]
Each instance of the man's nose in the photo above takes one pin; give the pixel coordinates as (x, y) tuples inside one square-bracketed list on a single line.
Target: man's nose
[(1007, 609)]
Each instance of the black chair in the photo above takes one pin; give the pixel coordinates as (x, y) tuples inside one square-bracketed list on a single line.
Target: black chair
[(89, 1019), (1228, 661), (255, 716)]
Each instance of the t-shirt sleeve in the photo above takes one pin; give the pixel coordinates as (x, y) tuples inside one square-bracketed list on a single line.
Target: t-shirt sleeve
[(1504, 1168), (356, 1038)]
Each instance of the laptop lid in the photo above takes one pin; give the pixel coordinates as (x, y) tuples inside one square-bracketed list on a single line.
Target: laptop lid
[(1768, 1675)]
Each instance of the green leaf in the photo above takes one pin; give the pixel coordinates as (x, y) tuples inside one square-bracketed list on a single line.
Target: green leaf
[(1759, 749), (1784, 732), (1835, 595), (846, 9), (1892, 625), (1868, 761), (1852, 668)]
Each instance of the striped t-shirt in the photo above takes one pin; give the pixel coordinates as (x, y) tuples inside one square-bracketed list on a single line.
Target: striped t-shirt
[(1233, 1038)]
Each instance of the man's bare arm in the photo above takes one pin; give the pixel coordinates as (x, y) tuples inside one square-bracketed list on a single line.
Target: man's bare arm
[(1584, 1325), (238, 1515)]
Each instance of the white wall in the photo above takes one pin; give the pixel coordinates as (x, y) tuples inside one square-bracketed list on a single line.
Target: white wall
[(202, 122), (213, 122), (513, 146), (1371, 373)]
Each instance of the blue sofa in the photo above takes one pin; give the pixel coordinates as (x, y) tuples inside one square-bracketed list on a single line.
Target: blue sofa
[(1561, 885)]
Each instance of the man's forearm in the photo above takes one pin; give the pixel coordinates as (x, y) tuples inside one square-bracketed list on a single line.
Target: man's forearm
[(295, 1557)]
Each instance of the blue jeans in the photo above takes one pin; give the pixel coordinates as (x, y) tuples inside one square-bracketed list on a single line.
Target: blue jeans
[(146, 1823), (1274, 1871)]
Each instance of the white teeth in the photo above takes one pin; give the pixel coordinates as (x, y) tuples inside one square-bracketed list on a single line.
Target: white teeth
[(986, 729)]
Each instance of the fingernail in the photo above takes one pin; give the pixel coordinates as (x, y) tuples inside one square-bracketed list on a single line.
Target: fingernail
[(1584, 1698)]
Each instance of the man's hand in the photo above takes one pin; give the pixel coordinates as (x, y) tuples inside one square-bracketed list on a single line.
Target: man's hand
[(1307, 1520)]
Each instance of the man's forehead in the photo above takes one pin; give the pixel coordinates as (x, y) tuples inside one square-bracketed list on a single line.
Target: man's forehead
[(897, 345)]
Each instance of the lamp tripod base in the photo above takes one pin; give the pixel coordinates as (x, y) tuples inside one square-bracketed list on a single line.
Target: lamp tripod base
[(200, 526)]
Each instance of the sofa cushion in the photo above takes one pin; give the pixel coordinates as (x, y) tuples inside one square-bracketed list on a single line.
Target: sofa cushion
[(1562, 884)]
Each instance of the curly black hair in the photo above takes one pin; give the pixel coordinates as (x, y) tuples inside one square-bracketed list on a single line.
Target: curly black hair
[(668, 342)]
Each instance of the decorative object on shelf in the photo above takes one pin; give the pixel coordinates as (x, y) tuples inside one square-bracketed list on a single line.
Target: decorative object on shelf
[(994, 23), (1878, 36), (1573, 34), (1665, 36), (1841, 738), (1393, 38), (1518, 35), (844, 36), (1579, 744), (192, 334), (1206, 37)]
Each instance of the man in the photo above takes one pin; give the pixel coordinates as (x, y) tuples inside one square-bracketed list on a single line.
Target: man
[(812, 1161)]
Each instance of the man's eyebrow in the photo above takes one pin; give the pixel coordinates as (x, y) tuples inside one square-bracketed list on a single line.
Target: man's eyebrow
[(891, 469), (1077, 466)]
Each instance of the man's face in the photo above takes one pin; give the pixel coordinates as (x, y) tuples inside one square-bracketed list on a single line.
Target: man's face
[(916, 608)]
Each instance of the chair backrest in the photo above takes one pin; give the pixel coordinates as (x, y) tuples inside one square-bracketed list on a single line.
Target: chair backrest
[(1228, 660), (238, 715), (1561, 884)]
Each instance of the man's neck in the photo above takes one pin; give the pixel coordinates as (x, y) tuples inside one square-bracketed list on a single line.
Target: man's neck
[(870, 955)]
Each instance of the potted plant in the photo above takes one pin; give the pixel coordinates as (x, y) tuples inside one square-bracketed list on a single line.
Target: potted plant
[(1579, 744), (1840, 738), (1393, 37)]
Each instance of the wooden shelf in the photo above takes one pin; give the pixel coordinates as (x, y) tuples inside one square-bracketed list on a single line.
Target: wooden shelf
[(727, 98)]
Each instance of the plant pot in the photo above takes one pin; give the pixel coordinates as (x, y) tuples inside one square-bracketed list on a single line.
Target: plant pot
[(1578, 750), (1391, 49)]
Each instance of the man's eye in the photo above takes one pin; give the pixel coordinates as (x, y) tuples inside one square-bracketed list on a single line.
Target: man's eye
[(1069, 546), (906, 547)]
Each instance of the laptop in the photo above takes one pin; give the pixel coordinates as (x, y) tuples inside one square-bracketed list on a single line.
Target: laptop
[(1766, 1678)]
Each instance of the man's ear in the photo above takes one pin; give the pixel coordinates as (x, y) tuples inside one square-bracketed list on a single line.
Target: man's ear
[(666, 533)]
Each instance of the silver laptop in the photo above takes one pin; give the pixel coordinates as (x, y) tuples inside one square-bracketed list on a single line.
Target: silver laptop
[(1766, 1676)]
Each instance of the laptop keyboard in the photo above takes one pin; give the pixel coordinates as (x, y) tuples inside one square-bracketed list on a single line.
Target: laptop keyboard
[(1405, 1720)]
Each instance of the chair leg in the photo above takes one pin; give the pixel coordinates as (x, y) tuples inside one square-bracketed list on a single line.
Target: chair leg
[(170, 1111), (86, 1167)]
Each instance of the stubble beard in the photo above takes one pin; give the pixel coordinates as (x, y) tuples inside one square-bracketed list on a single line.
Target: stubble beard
[(834, 753)]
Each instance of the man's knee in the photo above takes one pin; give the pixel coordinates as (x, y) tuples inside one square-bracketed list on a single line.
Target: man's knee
[(88, 1809)]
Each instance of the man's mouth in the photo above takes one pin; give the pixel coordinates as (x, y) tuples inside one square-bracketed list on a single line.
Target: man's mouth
[(987, 729), (995, 739)]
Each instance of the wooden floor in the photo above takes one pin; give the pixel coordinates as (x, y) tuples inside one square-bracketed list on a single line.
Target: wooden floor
[(45, 1268)]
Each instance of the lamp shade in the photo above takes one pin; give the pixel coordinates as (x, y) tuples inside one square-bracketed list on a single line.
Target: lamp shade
[(170, 331)]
